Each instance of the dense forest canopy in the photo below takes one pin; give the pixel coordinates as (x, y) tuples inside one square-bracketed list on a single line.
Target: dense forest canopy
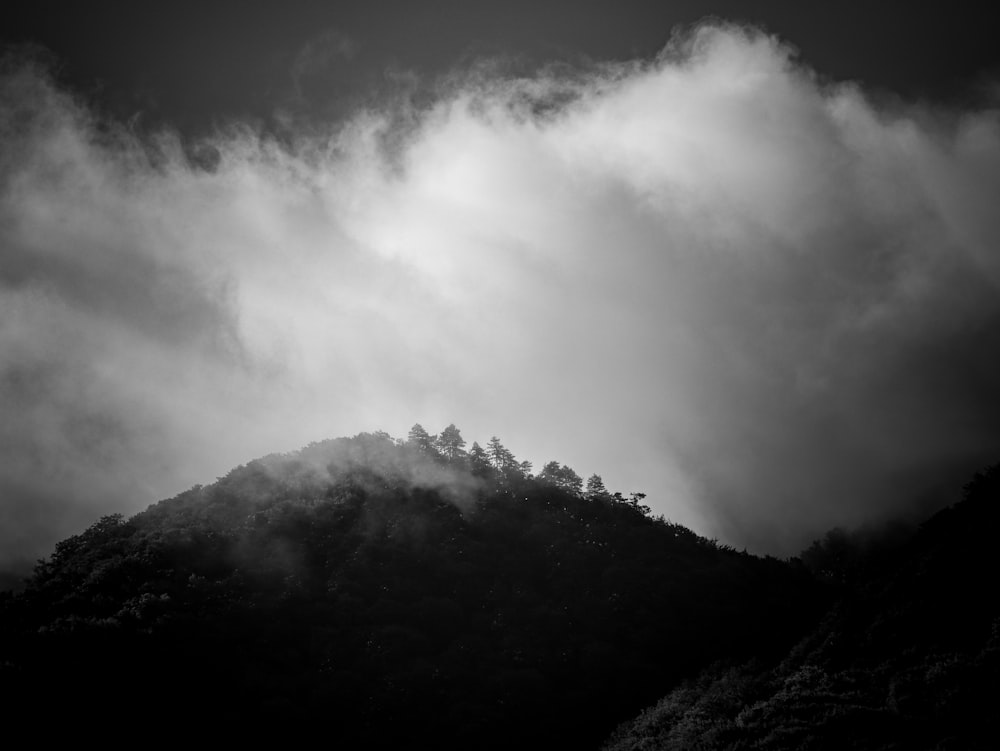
[(907, 658), (393, 590), (390, 592)]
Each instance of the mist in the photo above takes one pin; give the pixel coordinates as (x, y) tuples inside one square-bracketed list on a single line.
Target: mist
[(764, 299)]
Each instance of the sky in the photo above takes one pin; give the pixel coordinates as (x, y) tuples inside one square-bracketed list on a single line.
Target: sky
[(740, 257)]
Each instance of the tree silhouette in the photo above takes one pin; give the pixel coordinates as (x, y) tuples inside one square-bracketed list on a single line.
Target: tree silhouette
[(596, 489), (419, 438), (562, 477), (635, 501), (451, 444), (479, 462), (499, 456)]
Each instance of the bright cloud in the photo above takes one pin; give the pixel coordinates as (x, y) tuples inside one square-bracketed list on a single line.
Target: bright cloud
[(761, 299)]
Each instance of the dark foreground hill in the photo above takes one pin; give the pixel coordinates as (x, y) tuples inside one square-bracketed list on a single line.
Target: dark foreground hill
[(909, 658), (387, 595)]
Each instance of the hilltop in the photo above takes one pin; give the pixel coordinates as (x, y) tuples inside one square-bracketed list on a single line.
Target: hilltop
[(387, 592)]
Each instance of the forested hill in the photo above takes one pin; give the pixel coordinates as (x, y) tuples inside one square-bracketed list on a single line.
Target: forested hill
[(909, 658), (389, 593)]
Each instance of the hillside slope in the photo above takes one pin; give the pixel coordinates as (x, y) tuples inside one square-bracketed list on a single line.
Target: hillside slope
[(386, 594), (909, 658)]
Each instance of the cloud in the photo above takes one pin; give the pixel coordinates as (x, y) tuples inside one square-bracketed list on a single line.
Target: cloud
[(762, 299)]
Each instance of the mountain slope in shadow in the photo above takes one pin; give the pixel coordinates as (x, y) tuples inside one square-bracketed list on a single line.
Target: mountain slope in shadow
[(908, 658), (389, 593)]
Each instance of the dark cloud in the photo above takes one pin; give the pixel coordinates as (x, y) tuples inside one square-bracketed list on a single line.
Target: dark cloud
[(762, 299)]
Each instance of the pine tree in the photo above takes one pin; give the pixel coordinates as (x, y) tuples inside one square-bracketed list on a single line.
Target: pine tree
[(499, 456), (451, 444), (571, 481), (550, 473), (419, 438), (596, 489), (562, 477), (479, 462), (635, 501)]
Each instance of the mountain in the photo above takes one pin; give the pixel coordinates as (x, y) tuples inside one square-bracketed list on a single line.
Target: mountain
[(385, 594), (908, 658)]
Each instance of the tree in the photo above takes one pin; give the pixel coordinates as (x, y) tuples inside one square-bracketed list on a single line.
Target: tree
[(479, 462), (596, 489), (499, 456), (419, 438), (635, 501), (833, 556), (550, 473), (571, 480), (451, 444), (562, 477)]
